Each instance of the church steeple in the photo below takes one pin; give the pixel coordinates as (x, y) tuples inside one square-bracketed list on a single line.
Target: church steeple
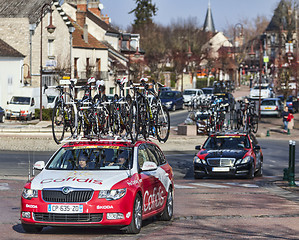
[(209, 22)]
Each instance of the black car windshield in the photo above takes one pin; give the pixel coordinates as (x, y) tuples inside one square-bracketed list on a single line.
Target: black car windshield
[(20, 100), (167, 95), (189, 92), (92, 158), (226, 142)]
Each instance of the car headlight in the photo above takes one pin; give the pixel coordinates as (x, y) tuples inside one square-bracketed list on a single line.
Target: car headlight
[(244, 160), (29, 193), (168, 103), (198, 160), (112, 194)]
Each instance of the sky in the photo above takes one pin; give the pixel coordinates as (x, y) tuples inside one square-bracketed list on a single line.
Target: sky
[(225, 12)]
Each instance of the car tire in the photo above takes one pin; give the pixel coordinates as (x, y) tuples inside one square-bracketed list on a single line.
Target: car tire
[(174, 107), (251, 171), (279, 115), (3, 119), (32, 228), (259, 173), (167, 213), (136, 223)]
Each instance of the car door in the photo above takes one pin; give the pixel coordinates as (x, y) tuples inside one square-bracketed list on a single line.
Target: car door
[(256, 151), (149, 181), (163, 175), (179, 99)]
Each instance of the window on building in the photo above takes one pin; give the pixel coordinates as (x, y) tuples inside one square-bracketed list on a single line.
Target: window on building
[(50, 47), (76, 67), (48, 80)]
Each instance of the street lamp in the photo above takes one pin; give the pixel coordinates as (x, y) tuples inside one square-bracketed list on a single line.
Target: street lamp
[(71, 30), (241, 34), (189, 55), (50, 29)]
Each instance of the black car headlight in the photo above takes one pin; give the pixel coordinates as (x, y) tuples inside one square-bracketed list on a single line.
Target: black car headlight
[(244, 160), (198, 160)]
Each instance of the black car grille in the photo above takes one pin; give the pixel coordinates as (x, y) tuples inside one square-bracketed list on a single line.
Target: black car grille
[(58, 217), (58, 196), (221, 162)]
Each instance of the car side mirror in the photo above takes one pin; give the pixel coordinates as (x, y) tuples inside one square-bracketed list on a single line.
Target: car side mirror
[(149, 166), (257, 147), (198, 147), (39, 165)]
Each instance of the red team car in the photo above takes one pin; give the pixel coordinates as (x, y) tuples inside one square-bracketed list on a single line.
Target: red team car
[(97, 183)]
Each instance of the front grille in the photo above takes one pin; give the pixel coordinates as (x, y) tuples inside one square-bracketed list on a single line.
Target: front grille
[(221, 162), (58, 217), (58, 196)]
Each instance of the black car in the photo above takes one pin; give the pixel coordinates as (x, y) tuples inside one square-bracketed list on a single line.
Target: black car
[(229, 154), (227, 98), (2, 115)]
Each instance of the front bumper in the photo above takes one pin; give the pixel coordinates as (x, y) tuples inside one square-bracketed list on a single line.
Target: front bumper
[(95, 212), (206, 170)]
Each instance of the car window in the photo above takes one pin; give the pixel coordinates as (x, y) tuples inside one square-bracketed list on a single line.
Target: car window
[(142, 155), (95, 157), (160, 155), (153, 157), (167, 95), (226, 142), (268, 103)]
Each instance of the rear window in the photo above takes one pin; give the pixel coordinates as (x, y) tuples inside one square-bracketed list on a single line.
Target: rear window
[(207, 91), (268, 103)]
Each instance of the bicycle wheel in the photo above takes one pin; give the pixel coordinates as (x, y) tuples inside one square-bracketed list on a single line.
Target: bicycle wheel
[(239, 119), (70, 119), (162, 124), (133, 121), (58, 122)]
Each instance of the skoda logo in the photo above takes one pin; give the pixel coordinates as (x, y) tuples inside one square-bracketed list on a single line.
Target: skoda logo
[(66, 190)]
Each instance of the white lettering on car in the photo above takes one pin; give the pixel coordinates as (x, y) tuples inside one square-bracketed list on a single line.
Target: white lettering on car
[(31, 206), (134, 182), (105, 207), (153, 200), (86, 180), (128, 215)]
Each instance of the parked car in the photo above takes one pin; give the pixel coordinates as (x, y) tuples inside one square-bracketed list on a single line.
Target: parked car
[(2, 115), (99, 183), (208, 91), (162, 89), (266, 92), (229, 154), (227, 98), (293, 104), (189, 94), (271, 106), (173, 100)]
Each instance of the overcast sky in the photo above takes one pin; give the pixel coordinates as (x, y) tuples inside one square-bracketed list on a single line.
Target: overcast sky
[(224, 12)]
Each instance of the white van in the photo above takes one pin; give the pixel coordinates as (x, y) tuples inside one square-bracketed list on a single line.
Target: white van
[(21, 107)]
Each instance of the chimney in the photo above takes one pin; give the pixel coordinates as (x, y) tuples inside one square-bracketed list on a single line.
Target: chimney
[(94, 8), (85, 33), (81, 12)]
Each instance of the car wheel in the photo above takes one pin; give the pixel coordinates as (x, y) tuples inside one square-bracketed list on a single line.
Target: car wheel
[(3, 119), (279, 114), (259, 173), (251, 171), (168, 210), (136, 223), (31, 228), (174, 107)]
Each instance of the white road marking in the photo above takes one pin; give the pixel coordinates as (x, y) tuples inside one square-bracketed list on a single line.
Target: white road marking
[(247, 185), (210, 185), (4, 186), (183, 186)]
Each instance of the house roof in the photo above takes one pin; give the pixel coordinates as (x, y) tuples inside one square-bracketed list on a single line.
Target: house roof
[(8, 51), (79, 42), (22, 9)]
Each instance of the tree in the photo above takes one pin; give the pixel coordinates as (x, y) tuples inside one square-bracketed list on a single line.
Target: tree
[(144, 12)]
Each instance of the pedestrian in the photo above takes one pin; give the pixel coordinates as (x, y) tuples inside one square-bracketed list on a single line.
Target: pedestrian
[(285, 115)]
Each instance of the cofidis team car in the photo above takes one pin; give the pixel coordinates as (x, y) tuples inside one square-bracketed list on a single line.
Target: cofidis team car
[(99, 183), (229, 154)]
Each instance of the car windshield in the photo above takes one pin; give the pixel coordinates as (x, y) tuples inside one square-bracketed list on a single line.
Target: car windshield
[(92, 158), (226, 142), (268, 103), (189, 92), (51, 99), (207, 91), (167, 95), (262, 87), (20, 100)]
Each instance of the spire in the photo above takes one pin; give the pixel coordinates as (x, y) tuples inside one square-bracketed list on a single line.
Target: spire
[(209, 22)]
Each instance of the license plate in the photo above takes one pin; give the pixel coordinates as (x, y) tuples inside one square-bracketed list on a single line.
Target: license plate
[(54, 208), (267, 107), (220, 169)]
